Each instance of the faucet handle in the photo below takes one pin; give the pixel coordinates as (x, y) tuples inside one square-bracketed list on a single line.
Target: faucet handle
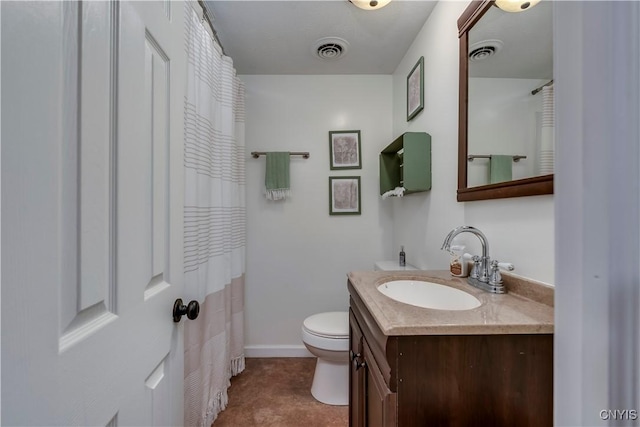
[(476, 267), (506, 266), (495, 277)]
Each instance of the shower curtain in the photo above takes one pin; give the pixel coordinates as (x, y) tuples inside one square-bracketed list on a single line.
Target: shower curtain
[(214, 223), (546, 155)]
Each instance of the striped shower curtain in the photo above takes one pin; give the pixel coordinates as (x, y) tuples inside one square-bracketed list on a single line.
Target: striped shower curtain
[(546, 155), (214, 223)]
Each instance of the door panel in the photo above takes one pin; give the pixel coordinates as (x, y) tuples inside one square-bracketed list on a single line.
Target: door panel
[(92, 213), (156, 97), (88, 288), (357, 385), (95, 39), (380, 401)]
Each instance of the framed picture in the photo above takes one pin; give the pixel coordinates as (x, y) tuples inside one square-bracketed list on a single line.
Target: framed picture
[(344, 195), (344, 147), (415, 89)]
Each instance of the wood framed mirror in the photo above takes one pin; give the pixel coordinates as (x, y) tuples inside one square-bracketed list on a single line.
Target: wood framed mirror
[(534, 182)]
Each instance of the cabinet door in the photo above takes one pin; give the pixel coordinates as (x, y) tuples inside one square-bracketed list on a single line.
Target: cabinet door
[(380, 401), (356, 375)]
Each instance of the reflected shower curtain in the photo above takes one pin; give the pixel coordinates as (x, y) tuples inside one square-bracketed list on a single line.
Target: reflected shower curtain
[(214, 223), (547, 137)]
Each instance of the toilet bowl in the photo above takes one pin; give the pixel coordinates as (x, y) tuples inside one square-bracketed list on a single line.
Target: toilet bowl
[(326, 336)]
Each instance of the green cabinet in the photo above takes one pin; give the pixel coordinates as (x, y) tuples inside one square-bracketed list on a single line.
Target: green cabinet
[(406, 162)]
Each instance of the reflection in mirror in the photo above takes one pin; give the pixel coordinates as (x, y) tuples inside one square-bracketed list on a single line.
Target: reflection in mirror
[(506, 71), (510, 55)]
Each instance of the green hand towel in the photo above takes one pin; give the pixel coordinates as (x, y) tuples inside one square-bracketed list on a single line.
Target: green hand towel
[(500, 168), (276, 181)]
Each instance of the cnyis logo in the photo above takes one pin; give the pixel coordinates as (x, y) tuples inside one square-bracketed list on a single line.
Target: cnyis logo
[(619, 414)]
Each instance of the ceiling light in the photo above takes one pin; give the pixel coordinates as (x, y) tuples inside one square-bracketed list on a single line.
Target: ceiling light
[(516, 5), (371, 4)]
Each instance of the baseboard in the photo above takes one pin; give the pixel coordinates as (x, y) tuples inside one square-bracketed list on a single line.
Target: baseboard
[(259, 351)]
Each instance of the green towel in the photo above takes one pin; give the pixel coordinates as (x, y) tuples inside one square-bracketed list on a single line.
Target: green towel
[(500, 168), (276, 181)]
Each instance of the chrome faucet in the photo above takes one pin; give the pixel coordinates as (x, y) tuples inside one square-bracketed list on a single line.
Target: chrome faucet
[(484, 274)]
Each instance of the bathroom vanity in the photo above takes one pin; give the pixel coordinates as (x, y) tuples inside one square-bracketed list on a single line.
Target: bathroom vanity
[(412, 366)]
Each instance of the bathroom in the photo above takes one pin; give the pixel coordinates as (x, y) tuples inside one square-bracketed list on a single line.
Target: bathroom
[(523, 230), (298, 255), (291, 245)]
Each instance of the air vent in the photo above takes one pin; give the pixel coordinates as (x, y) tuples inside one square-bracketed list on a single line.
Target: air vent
[(330, 48), (330, 51), (485, 49)]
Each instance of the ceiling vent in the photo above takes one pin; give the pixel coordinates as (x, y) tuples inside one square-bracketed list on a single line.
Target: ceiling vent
[(330, 48), (485, 49)]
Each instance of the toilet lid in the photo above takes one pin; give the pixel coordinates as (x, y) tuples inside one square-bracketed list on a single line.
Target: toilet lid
[(332, 324)]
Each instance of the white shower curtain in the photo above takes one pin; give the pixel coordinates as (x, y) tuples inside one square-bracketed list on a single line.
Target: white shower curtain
[(546, 155), (214, 223)]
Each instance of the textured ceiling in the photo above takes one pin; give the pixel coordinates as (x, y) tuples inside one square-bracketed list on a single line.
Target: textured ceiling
[(278, 37)]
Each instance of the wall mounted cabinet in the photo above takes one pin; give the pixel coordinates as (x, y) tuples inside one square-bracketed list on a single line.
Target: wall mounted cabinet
[(406, 162)]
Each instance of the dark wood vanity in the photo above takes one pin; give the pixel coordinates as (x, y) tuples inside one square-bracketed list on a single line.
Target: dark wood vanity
[(447, 380)]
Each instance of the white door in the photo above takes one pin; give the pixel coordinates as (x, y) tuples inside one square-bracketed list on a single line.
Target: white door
[(92, 119)]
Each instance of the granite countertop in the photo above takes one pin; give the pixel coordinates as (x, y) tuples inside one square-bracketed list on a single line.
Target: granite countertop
[(526, 308)]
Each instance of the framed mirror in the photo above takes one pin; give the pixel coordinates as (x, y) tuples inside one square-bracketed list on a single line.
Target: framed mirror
[(505, 129)]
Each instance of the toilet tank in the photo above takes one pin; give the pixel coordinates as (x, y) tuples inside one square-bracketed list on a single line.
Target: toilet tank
[(392, 266)]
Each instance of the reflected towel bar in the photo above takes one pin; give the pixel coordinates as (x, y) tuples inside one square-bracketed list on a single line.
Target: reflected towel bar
[(470, 157), (304, 154)]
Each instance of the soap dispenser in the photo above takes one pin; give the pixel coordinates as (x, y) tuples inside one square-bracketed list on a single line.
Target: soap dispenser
[(458, 263), (403, 258)]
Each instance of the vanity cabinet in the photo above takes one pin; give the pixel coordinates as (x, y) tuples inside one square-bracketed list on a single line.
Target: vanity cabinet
[(447, 380), (406, 162), (371, 401)]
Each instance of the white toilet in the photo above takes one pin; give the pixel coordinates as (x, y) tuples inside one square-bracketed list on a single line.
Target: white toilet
[(326, 336), (392, 266)]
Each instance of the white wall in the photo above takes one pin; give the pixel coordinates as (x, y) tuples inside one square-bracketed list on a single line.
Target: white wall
[(519, 230), (297, 254), (422, 220)]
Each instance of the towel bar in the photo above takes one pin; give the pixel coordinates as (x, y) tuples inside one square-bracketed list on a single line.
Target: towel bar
[(470, 157), (304, 154)]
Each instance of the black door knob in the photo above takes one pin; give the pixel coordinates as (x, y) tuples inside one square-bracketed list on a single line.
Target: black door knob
[(191, 310)]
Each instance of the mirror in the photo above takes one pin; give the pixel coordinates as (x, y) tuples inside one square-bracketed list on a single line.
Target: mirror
[(505, 134)]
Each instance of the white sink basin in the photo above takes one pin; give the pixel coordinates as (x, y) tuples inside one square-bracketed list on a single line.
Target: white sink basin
[(428, 295)]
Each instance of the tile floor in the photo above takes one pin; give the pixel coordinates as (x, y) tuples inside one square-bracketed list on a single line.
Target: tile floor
[(277, 392)]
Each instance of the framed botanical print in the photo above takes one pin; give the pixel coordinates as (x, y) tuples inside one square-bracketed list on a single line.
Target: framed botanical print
[(415, 89), (344, 195), (344, 147)]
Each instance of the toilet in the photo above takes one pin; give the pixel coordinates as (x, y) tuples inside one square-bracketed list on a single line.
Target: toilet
[(392, 266), (326, 336)]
